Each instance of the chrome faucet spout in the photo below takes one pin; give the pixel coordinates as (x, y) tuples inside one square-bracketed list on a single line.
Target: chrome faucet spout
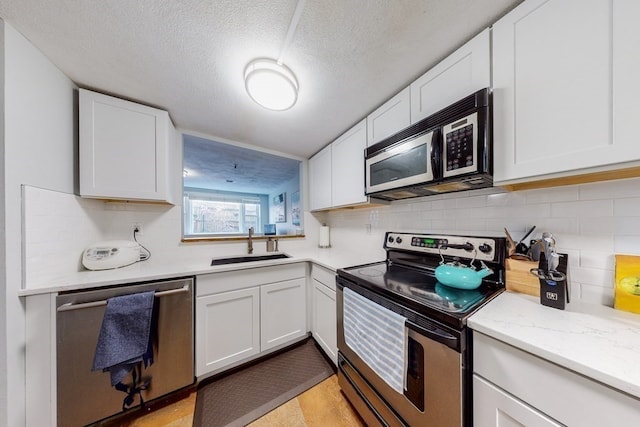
[(250, 241)]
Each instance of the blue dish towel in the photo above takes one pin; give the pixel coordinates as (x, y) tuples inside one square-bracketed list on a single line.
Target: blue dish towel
[(125, 335), (378, 336)]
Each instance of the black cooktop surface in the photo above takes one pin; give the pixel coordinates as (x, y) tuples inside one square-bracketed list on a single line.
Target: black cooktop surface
[(420, 291)]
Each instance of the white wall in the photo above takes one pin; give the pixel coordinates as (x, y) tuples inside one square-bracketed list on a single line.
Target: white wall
[(288, 188), (40, 150), (591, 222)]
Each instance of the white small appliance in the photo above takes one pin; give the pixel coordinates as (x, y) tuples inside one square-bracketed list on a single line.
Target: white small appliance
[(111, 254)]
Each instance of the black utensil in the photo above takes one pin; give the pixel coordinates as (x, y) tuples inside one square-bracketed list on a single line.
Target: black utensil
[(521, 247)]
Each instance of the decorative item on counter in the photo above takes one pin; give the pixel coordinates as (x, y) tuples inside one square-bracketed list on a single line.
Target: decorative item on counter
[(627, 289), (324, 241)]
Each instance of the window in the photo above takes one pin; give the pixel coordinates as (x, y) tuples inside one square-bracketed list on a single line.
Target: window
[(216, 213), (228, 189)]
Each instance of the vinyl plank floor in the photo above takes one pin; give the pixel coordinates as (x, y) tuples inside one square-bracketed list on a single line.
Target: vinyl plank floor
[(322, 405)]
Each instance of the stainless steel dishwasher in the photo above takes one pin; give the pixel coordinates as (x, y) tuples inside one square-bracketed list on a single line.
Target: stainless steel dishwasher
[(83, 396)]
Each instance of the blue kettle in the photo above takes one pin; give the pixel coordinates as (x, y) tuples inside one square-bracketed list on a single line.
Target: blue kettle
[(460, 276)]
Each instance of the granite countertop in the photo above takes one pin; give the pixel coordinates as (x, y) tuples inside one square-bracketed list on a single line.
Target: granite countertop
[(593, 340)]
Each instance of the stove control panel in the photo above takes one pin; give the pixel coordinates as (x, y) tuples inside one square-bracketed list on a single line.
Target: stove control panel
[(480, 248)]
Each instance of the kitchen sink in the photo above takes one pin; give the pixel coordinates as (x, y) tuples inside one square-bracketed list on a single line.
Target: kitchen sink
[(247, 258)]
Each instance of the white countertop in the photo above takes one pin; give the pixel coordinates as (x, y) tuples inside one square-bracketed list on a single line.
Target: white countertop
[(158, 269), (596, 341)]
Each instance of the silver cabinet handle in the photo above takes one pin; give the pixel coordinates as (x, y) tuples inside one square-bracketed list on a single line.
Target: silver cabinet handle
[(72, 306)]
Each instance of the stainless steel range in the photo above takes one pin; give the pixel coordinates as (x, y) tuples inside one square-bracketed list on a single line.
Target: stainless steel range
[(404, 350)]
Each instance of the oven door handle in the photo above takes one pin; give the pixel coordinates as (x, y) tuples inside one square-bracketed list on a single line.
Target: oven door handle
[(435, 334)]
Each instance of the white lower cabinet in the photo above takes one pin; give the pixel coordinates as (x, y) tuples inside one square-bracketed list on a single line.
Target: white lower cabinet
[(282, 314), (228, 328), (243, 314), (323, 324), (493, 407), (512, 387)]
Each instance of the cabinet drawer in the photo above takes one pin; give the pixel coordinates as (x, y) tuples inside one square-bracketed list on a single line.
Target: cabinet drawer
[(238, 279), (545, 386), (324, 276)]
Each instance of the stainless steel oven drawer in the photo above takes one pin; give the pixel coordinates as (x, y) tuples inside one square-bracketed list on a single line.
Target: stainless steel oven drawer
[(373, 410)]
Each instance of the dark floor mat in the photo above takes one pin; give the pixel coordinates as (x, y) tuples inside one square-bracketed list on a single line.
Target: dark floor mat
[(246, 395)]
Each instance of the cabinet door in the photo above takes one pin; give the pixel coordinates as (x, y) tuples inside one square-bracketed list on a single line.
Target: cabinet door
[(324, 324), (462, 73), (390, 118), (320, 180), (123, 149), (626, 85), (494, 407), (283, 314), (552, 89), (227, 328), (347, 163)]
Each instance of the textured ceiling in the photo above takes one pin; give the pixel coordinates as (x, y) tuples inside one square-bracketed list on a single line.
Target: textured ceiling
[(217, 166), (188, 56)]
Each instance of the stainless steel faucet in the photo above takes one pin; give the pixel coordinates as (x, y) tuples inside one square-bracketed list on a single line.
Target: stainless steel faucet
[(250, 241)]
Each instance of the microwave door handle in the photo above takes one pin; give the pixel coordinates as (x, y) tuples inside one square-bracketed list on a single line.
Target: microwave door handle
[(436, 154)]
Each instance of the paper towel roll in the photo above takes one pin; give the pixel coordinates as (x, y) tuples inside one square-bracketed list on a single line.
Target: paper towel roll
[(324, 242)]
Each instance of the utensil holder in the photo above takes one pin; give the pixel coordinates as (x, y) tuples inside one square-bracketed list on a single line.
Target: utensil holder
[(555, 293), (519, 279)]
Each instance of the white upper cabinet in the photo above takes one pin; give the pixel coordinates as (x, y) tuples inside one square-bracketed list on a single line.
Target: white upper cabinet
[(390, 118), (124, 149), (462, 73), (320, 180), (626, 84), (347, 166), (564, 87)]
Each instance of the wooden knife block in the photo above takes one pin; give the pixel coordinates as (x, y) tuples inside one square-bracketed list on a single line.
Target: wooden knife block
[(519, 279)]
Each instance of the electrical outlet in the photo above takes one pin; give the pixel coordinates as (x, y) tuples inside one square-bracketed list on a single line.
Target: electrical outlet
[(137, 228)]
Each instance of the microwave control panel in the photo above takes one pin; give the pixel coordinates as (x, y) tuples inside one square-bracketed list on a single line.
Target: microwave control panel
[(460, 148)]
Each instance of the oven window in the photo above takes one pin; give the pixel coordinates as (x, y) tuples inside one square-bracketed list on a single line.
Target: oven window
[(415, 374), (403, 165)]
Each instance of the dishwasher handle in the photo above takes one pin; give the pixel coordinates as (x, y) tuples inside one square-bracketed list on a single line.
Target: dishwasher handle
[(72, 306)]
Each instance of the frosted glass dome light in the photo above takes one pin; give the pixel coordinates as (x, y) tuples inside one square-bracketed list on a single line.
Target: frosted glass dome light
[(270, 84)]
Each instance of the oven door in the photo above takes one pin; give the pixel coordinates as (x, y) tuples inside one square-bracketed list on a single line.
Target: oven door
[(406, 163), (433, 395)]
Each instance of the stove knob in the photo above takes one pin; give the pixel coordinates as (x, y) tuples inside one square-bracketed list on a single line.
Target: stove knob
[(398, 240), (390, 239), (484, 248)]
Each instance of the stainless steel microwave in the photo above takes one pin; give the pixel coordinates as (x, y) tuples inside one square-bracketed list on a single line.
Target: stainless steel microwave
[(450, 150)]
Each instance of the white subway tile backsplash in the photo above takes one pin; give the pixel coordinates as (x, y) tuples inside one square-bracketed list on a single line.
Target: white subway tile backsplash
[(558, 194), (599, 260), (581, 209), (596, 295), (592, 276), (443, 204), (471, 202), (627, 244), (597, 225), (591, 222), (627, 207), (611, 189), (629, 226)]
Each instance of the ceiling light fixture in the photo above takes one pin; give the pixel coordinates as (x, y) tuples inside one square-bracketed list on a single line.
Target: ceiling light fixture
[(270, 83)]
